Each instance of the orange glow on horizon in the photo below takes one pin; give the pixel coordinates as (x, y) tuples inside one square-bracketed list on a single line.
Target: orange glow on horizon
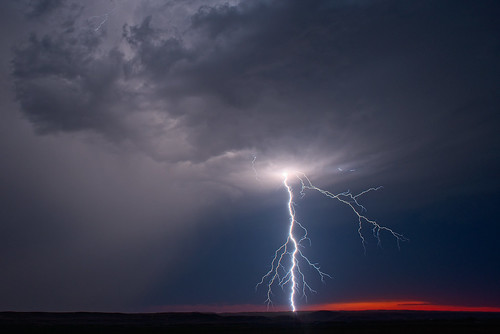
[(398, 305), (389, 305)]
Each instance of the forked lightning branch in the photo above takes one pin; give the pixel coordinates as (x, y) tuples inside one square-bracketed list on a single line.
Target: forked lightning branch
[(289, 262)]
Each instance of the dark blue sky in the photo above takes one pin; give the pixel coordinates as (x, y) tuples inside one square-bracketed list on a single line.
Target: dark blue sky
[(128, 130)]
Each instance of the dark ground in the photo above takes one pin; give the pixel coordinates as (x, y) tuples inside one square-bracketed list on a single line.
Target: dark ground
[(302, 322)]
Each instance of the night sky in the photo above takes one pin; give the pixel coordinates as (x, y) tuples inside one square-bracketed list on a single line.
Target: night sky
[(128, 131)]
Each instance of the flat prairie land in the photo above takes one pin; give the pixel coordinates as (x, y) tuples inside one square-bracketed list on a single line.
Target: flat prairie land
[(241, 323)]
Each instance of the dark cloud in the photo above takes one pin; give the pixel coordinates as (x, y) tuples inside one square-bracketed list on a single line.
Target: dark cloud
[(327, 74), (38, 8), (63, 86)]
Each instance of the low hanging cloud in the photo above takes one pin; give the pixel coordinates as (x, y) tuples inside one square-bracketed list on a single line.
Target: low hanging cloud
[(341, 79), (239, 65)]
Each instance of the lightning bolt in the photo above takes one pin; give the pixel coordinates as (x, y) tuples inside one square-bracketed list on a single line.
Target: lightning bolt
[(291, 275), (101, 19), (254, 169)]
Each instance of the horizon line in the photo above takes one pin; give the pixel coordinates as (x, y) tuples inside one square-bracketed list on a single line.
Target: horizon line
[(384, 305)]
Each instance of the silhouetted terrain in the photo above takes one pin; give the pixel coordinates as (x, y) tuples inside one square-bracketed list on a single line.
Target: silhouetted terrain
[(302, 322)]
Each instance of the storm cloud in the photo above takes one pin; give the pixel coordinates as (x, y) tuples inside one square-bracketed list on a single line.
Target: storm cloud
[(324, 73)]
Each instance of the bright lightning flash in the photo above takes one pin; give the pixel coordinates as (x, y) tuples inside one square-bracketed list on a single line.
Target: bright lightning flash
[(291, 275), (99, 20)]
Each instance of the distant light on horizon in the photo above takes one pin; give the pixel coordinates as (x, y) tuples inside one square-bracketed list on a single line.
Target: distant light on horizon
[(371, 305)]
